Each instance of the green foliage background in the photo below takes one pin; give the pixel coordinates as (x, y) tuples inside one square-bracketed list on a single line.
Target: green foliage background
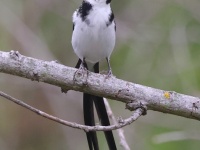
[(158, 45)]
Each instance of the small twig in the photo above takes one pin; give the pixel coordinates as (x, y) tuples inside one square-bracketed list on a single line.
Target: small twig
[(136, 114), (120, 131)]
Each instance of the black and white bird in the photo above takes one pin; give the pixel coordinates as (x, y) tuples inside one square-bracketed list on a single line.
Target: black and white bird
[(93, 39)]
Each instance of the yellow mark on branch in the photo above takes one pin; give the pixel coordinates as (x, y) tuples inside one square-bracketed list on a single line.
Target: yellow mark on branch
[(167, 95)]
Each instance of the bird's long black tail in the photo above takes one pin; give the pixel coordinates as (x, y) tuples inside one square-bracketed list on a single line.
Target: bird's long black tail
[(88, 109)]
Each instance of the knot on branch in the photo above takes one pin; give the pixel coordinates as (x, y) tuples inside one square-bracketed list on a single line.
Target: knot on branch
[(35, 75), (14, 55), (81, 76), (120, 120), (137, 104)]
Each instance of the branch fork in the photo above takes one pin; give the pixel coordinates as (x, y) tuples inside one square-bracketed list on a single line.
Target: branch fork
[(136, 114)]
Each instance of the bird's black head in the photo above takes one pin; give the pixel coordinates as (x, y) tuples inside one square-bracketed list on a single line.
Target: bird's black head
[(98, 1)]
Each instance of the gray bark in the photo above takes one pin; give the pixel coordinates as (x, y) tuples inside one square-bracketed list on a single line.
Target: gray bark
[(79, 80)]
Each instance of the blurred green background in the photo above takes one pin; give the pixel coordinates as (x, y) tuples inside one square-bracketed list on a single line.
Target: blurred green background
[(158, 45)]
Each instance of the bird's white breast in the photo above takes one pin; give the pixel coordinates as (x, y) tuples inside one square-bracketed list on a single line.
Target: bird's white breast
[(92, 39)]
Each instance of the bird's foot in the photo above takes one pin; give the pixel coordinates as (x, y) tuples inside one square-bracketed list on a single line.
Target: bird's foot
[(81, 73), (109, 74)]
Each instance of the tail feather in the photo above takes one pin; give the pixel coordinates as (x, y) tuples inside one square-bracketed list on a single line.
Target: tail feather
[(88, 111), (88, 108), (103, 117)]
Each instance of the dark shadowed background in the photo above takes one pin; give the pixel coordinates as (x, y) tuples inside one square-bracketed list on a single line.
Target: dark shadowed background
[(158, 45)]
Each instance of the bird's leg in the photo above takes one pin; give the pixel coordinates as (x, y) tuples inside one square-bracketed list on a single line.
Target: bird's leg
[(82, 71), (109, 68), (83, 65)]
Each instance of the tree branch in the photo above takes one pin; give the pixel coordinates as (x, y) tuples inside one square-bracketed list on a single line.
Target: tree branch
[(121, 122), (69, 79)]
